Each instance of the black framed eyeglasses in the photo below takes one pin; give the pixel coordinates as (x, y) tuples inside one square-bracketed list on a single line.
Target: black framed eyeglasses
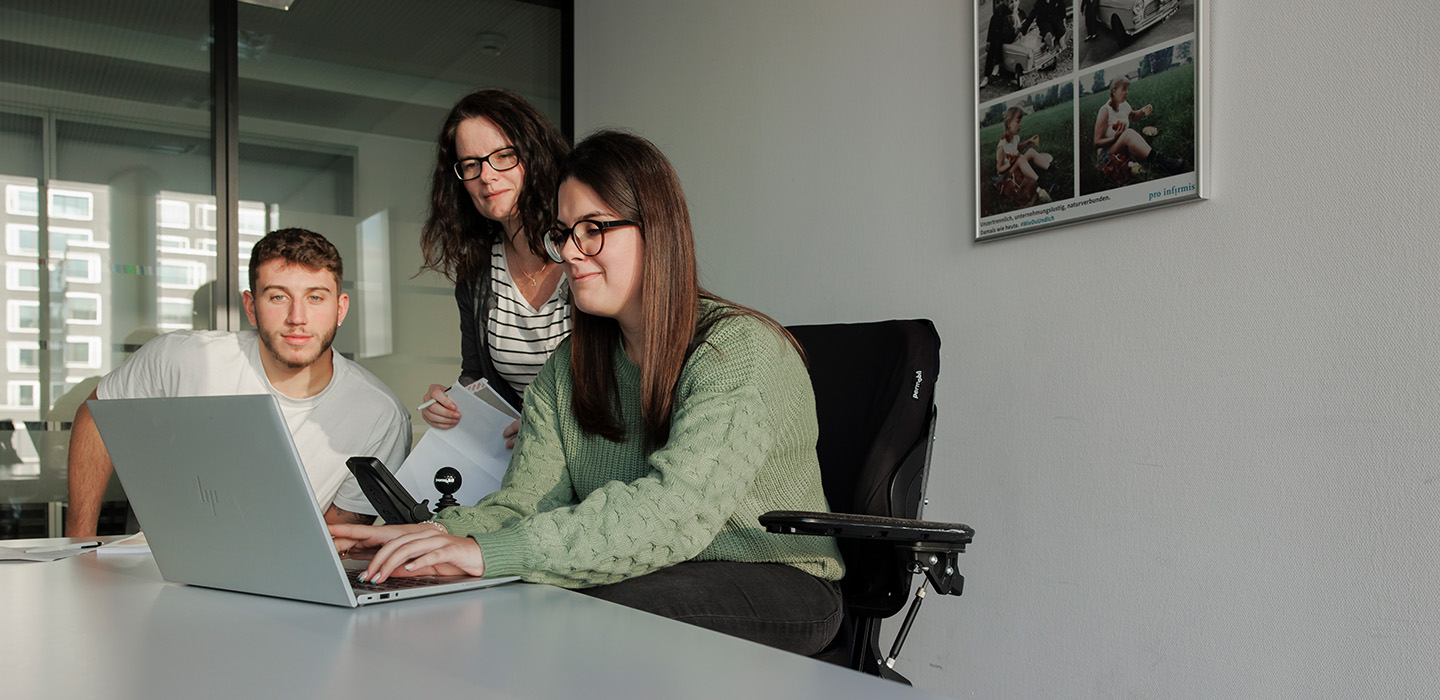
[(501, 160), (588, 234)]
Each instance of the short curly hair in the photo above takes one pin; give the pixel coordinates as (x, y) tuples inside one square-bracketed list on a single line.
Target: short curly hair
[(300, 247)]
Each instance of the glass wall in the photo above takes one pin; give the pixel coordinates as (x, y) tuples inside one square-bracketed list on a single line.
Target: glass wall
[(338, 136), (104, 148), (113, 230)]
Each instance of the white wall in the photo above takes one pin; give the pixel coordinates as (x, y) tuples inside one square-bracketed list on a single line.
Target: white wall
[(1198, 444)]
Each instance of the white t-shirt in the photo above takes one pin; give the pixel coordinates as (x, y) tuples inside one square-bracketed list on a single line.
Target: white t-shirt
[(355, 415), (1010, 147), (1112, 117)]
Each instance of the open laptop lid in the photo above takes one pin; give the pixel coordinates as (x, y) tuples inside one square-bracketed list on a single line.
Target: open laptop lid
[(225, 501), (222, 495)]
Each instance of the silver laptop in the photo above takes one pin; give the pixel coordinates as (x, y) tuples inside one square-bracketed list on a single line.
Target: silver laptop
[(224, 502)]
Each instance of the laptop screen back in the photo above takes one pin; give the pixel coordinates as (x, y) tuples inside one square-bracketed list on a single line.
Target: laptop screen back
[(222, 496)]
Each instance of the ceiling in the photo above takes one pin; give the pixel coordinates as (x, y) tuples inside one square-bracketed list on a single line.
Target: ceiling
[(370, 66)]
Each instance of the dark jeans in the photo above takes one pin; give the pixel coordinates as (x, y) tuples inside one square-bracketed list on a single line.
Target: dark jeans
[(773, 604), (1092, 17), (994, 57)]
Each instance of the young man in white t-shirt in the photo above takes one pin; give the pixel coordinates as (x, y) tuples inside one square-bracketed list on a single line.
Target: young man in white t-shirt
[(335, 409)]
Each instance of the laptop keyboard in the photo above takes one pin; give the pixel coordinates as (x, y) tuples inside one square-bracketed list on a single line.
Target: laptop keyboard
[(396, 583)]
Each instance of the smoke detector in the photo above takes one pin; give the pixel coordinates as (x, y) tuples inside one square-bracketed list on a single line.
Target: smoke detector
[(492, 44)]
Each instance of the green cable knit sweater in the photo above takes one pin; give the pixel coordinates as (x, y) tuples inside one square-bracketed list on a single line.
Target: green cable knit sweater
[(577, 510)]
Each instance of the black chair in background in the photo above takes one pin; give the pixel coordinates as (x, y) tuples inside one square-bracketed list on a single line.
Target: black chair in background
[(875, 396)]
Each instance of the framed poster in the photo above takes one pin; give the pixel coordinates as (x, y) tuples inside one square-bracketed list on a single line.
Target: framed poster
[(1087, 109)]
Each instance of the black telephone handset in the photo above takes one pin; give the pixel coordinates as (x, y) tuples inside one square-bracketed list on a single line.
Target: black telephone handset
[(388, 497)]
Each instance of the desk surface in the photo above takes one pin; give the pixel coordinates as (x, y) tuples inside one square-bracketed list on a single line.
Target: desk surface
[(94, 626)]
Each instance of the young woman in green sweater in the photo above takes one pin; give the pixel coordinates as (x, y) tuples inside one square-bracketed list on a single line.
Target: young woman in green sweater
[(654, 437)]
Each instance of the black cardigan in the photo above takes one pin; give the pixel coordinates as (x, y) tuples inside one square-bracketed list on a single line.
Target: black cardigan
[(474, 339)]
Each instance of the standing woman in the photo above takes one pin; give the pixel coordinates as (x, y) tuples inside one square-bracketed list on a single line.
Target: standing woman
[(491, 198), (653, 439)]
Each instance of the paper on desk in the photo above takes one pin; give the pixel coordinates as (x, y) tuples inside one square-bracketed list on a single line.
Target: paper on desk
[(476, 447), (134, 544), (49, 552)]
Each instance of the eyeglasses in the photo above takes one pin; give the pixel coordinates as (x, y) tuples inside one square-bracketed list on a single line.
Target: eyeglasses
[(589, 237), (501, 160)]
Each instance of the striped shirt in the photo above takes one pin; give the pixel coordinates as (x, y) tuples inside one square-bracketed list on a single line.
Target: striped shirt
[(521, 337)]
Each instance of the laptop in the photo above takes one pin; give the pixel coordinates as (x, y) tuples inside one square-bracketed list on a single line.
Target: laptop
[(225, 502)]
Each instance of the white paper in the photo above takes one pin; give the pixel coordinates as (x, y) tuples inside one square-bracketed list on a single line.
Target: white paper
[(134, 544), (48, 552), (475, 447)]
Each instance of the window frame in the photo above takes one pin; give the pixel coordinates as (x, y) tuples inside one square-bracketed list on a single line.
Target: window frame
[(162, 204), (12, 200), (12, 315), (12, 275), (94, 275), (12, 239), (89, 198), (13, 350), (99, 309), (160, 318), (12, 393), (93, 354)]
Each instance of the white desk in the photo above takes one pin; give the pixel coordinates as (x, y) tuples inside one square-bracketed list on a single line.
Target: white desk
[(92, 627)]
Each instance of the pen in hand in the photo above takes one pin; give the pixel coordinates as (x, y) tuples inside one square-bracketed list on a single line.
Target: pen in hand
[(428, 403)]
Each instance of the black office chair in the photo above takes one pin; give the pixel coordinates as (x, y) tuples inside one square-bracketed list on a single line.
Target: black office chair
[(875, 396)]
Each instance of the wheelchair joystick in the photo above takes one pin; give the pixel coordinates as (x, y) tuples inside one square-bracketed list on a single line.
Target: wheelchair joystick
[(447, 482)]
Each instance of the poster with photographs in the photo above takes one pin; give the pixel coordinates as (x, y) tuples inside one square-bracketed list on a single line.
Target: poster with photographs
[(1086, 109)]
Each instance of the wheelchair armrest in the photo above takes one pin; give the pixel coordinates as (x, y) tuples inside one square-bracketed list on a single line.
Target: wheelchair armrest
[(930, 547), (901, 531)]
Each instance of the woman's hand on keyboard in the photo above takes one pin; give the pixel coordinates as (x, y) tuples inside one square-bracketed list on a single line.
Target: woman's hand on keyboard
[(420, 550), (361, 537)]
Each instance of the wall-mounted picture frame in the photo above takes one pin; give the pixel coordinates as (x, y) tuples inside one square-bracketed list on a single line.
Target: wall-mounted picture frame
[(1087, 109)]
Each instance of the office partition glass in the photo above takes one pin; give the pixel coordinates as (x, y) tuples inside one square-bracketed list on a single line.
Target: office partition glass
[(340, 105), (114, 229), (104, 162)]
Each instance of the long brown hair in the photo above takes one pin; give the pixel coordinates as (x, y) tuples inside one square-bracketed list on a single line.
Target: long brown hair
[(637, 182), (456, 239)]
